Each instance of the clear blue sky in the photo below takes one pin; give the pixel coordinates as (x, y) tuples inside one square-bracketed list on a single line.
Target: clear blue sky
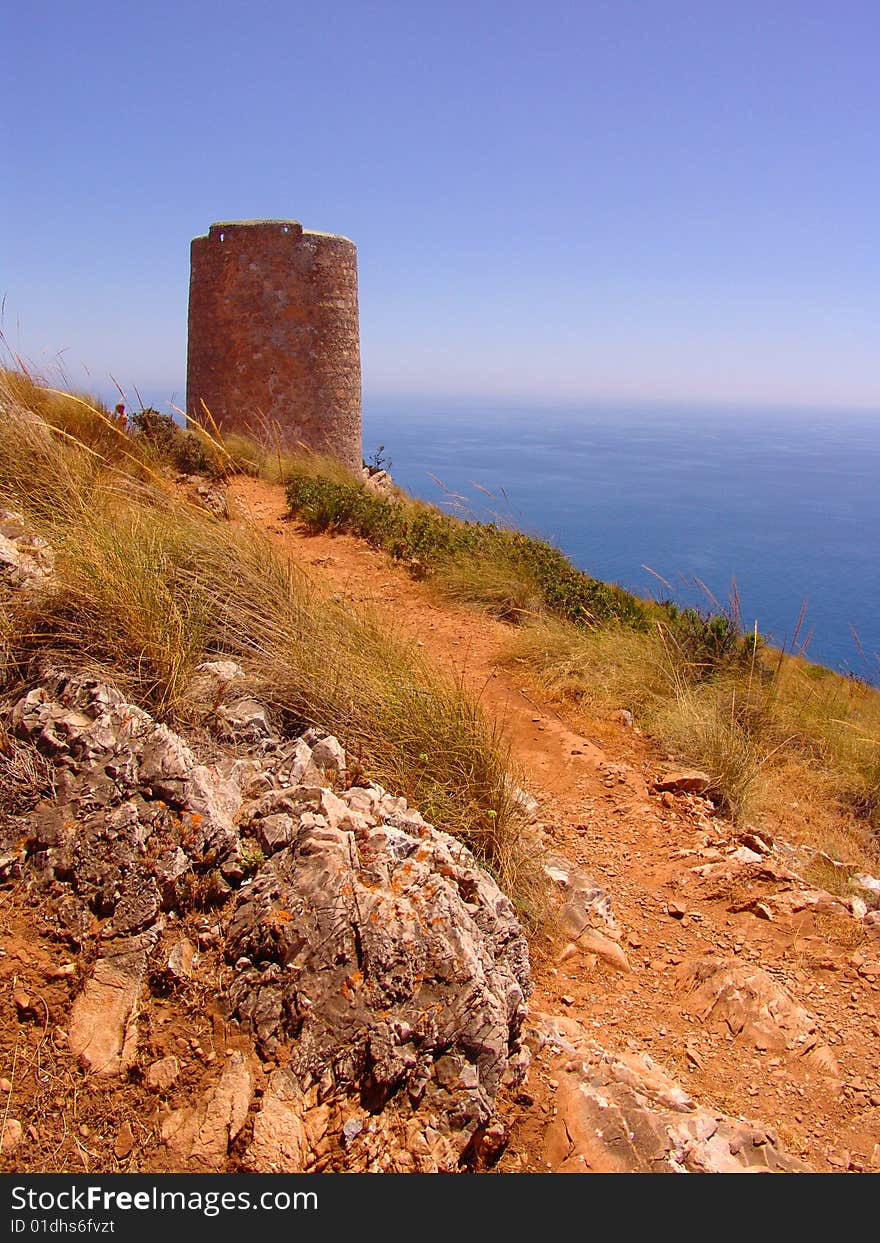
[(670, 199)]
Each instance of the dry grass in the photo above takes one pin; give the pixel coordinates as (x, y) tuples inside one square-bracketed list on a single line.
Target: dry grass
[(78, 415), (117, 598), (25, 776), (146, 586), (703, 725), (497, 585), (849, 934), (761, 730), (823, 872), (800, 803), (321, 661), (703, 722), (85, 432), (836, 724), (604, 668), (268, 460)]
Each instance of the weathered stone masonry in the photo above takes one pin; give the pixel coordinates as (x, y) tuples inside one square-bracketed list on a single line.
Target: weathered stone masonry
[(273, 335)]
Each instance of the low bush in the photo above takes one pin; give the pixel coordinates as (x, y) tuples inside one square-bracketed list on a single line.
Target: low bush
[(436, 544), (186, 450)]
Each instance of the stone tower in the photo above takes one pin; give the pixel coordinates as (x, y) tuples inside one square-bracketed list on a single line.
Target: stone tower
[(274, 345)]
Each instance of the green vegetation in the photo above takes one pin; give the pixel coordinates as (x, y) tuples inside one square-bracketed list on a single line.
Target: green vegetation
[(187, 450), (503, 571), (522, 574)]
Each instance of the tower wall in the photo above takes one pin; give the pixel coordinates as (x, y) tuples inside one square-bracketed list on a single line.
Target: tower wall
[(274, 342)]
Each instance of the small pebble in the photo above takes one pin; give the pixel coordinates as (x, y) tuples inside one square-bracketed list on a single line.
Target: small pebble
[(12, 1135)]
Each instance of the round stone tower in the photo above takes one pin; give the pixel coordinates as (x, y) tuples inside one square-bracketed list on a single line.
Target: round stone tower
[(274, 347)]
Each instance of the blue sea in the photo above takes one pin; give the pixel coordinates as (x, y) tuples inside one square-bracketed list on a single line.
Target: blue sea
[(780, 507)]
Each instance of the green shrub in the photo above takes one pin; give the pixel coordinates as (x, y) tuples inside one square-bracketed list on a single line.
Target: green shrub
[(513, 575), (434, 543), (183, 449), (706, 642)]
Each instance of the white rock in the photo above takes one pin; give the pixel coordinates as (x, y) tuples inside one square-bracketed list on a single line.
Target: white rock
[(329, 755), (11, 1136), (224, 671)]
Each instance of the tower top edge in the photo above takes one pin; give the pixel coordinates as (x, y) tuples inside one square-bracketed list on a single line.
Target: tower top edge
[(293, 226)]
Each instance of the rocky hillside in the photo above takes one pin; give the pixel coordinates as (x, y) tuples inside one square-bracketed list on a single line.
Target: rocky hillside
[(234, 950)]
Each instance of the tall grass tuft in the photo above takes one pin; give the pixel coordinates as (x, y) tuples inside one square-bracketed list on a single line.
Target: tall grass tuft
[(499, 585), (707, 728), (117, 597)]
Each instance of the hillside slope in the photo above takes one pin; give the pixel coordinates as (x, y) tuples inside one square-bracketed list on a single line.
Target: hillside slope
[(225, 945), (599, 806)]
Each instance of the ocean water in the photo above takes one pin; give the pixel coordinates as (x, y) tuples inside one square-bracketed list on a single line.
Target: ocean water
[(781, 506)]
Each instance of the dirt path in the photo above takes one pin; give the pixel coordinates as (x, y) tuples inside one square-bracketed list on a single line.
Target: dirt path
[(599, 809)]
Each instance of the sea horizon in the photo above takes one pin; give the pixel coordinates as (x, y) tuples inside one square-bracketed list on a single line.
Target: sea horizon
[(776, 506)]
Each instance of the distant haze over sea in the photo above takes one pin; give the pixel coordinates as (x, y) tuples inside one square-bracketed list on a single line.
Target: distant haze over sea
[(785, 503)]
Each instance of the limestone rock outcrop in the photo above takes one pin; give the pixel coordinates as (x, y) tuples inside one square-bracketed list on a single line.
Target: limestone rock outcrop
[(625, 1114), (365, 949)]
